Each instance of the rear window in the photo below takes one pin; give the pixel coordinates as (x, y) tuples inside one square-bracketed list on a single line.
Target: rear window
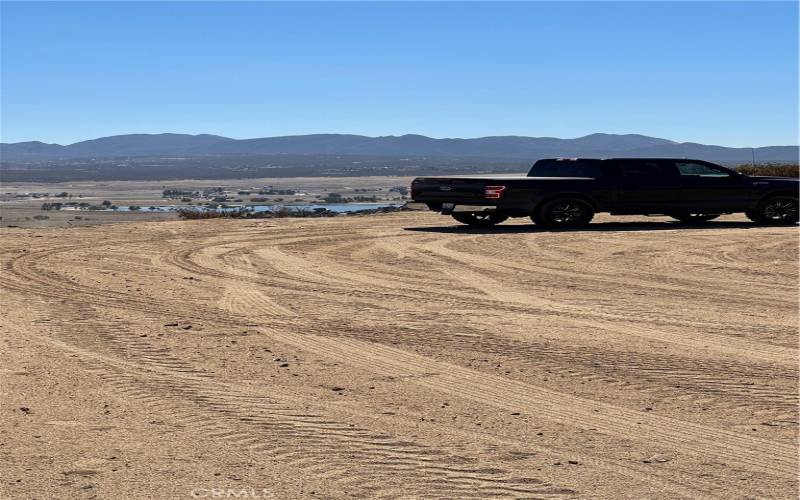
[(566, 168)]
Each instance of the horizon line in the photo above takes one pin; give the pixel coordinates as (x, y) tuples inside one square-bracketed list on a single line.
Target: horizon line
[(390, 135)]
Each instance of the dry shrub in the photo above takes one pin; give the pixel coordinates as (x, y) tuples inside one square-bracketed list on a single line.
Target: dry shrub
[(277, 212), (775, 169), (190, 213)]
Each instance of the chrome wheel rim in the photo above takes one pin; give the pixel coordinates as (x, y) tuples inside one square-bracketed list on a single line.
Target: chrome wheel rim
[(781, 210), (567, 213)]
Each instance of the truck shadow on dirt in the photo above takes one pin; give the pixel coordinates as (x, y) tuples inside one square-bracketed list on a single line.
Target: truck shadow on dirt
[(600, 226)]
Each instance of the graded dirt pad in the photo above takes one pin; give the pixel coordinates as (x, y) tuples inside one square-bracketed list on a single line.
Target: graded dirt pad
[(398, 356)]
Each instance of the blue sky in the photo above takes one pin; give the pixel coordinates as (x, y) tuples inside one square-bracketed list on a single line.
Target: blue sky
[(721, 72)]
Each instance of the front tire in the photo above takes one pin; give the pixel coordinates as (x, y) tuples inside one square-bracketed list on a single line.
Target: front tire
[(775, 210), (693, 218), (564, 213), (479, 219)]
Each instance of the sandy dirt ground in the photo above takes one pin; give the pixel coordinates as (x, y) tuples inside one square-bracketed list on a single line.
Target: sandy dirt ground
[(398, 356)]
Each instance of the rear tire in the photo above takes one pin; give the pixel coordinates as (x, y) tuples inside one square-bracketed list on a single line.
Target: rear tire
[(775, 211), (693, 218), (479, 219), (564, 213)]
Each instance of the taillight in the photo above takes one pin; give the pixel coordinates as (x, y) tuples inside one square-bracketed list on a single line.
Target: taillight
[(493, 192)]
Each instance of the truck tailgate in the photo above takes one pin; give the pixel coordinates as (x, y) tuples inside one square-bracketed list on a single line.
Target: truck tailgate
[(448, 188)]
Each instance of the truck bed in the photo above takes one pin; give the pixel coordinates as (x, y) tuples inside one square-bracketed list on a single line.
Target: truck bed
[(471, 190)]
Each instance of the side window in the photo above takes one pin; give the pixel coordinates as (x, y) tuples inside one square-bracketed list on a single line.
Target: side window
[(700, 170), (642, 169)]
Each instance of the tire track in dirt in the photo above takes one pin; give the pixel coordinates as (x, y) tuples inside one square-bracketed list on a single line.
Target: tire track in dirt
[(699, 374), (287, 283), (157, 361), (344, 276), (741, 386), (335, 272), (170, 386), (625, 469), (483, 280), (766, 456), (654, 367), (655, 263), (300, 441)]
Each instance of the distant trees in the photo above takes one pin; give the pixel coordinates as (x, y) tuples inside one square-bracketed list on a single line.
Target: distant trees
[(64, 194), (75, 205)]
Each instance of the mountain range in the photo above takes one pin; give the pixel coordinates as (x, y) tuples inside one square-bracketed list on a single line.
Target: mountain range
[(499, 147)]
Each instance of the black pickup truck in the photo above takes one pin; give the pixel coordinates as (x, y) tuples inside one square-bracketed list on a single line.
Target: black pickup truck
[(567, 192)]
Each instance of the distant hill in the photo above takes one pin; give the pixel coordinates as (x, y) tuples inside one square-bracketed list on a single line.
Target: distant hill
[(145, 145), (497, 147), (114, 146)]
